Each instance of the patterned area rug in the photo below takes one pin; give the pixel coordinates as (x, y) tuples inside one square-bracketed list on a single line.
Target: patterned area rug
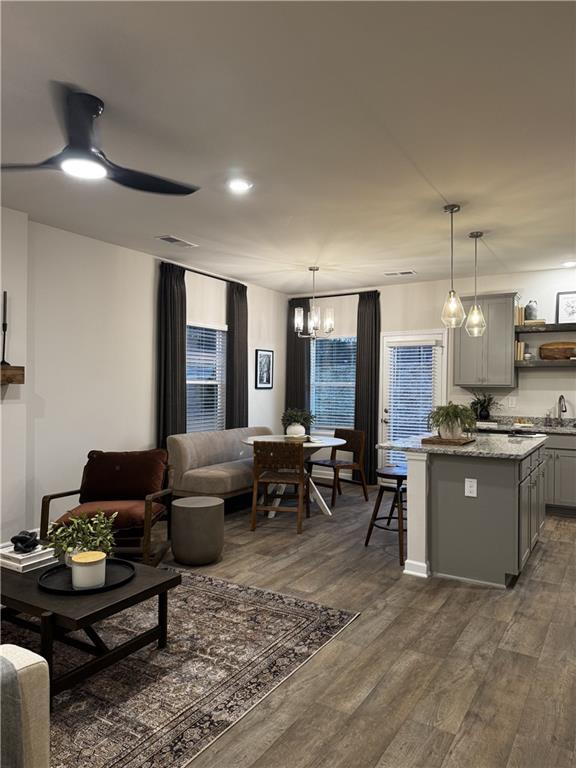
[(229, 646)]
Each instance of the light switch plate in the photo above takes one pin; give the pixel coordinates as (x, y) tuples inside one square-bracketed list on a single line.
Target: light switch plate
[(471, 487)]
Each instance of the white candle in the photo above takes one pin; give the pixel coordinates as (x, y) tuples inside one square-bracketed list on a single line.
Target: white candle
[(88, 570)]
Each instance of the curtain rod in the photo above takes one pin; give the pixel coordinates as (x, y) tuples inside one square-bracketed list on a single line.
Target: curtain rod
[(333, 295), (199, 272)]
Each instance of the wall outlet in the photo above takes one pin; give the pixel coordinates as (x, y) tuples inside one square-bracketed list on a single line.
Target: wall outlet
[(471, 487), (511, 402)]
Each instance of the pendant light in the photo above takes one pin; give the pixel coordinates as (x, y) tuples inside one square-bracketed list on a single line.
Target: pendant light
[(475, 322), (452, 312), (317, 322)]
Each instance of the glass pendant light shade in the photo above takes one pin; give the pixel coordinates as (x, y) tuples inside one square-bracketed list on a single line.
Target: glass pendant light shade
[(315, 317), (328, 321), (475, 323), (298, 319), (453, 312)]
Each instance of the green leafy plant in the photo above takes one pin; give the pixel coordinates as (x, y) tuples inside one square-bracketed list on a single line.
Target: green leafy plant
[(483, 401), (83, 533), (297, 416), (453, 416)]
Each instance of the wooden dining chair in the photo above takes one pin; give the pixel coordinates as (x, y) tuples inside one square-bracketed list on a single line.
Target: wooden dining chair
[(280, 463), (355, 440)]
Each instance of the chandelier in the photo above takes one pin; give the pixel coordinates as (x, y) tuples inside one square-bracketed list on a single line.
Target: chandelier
[(317, 322)]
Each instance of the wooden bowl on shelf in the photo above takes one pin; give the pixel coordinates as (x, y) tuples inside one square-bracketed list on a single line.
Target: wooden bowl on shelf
[(557, 350)]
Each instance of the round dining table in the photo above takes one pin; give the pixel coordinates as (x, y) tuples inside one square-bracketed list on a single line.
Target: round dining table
[(314, 443)]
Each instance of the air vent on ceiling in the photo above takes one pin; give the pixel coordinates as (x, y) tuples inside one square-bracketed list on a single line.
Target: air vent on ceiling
[(401, 273), (171, 240)]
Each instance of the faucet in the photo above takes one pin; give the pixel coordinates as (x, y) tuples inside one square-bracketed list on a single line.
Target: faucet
[(561, 407)]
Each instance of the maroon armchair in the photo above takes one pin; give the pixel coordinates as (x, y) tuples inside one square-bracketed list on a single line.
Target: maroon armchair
[(131, 483)]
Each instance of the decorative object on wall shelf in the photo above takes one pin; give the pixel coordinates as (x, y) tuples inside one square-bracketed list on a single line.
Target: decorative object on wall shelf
[(566, 307), (558, 350), (317, 322), (531, 310), (453, 314), (9, 374), (475, 322), (452, 420), (264, 374)]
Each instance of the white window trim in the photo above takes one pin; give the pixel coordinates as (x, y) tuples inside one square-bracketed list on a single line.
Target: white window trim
[(438, 338)]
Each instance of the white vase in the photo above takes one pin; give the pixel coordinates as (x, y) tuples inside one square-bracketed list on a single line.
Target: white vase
[(452, 432), (295, 430), (88, 570)]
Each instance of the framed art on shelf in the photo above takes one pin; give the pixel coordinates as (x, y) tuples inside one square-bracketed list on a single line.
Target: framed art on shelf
[(566, 307), (264, 377)]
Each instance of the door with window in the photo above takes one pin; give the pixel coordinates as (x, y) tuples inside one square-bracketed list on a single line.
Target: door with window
[(413, 383)]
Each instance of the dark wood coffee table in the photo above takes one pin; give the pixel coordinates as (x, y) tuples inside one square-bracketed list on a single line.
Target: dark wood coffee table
[(61, 614)]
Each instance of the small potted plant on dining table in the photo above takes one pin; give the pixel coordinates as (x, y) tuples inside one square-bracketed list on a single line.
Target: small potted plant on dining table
[(452, 420), (297, 421)]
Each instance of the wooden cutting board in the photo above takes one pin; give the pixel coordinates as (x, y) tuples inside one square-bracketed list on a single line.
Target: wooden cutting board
[(437, 440), (558, 350)]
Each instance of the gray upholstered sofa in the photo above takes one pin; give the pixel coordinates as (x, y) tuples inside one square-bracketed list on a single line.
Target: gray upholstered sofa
[(25, 693), (212, 463)]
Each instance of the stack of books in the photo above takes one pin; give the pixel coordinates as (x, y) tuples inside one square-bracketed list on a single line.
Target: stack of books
[(520, 318), (520, 348), (26, 561)]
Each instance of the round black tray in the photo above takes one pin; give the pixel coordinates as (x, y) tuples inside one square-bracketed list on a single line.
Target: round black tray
[(58, 579)]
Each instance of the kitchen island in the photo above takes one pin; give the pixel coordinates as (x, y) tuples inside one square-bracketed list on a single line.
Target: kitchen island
[(473, 511)]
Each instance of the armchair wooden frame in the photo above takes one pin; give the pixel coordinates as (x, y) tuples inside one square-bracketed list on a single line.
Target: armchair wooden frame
[(145, 546), (280, 464)]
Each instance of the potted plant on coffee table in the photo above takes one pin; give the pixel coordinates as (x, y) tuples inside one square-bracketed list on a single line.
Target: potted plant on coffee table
[(452, 420), (297, 421), (84, 543)]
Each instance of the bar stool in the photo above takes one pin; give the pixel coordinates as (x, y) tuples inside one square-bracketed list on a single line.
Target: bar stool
[(398, 474)]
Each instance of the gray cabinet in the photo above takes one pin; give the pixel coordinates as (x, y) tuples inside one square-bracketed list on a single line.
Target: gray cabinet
[(524, 541), (549, 471), (534, 507), (542, 494), (565, 478), (487, 361)]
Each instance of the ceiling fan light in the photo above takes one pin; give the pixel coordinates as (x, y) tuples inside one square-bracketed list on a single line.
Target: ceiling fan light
[(239, 186), (81, 168), (475, 322), (453, 312)]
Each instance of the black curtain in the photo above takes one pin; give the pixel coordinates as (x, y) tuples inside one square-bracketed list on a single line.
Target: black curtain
[(171, 353), (236, 356), (297, 360), (367, 377)]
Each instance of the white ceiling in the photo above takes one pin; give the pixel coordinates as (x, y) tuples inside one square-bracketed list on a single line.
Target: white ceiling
[(355, 121)]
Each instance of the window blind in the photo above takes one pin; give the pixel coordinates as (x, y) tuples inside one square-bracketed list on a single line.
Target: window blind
[(333, 382), (205, 378), (413, 391)]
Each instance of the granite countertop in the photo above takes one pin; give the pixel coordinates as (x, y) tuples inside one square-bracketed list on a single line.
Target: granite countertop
[(484, 446), (556, 429)]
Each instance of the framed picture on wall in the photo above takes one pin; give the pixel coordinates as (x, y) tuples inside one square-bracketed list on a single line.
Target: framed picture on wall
[(566, 307), (264, 369)]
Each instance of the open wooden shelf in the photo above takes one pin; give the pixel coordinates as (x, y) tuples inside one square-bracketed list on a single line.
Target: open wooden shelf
[(11, 374), (545, 364), (548, 328)]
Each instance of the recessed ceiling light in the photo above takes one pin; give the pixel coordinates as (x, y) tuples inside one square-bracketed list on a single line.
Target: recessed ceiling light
[(239, 186), (569, 264), (83, 169)]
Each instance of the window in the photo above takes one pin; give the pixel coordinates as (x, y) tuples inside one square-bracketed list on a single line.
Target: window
[(414, 387), (333, 382), (205, 378)]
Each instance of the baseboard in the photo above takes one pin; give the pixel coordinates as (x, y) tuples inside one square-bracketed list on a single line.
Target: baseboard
[(416, 568)]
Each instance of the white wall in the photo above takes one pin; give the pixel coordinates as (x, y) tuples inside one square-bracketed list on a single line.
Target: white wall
[(14, 397), (82, 320)]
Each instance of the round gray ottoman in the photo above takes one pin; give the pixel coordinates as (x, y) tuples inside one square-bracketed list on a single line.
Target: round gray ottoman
[(197, 529)]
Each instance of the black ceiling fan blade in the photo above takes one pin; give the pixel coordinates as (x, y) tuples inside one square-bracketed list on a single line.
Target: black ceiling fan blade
[(146, 182), (77, 112), (51, 162)]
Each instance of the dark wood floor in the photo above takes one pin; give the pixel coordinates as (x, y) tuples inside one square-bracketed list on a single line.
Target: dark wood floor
[(433, 673)]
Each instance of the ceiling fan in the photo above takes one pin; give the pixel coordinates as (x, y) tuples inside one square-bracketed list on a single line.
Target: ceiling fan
[(82, 156)]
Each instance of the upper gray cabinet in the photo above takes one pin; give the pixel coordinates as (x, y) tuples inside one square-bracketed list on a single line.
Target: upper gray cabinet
[(488, 360)]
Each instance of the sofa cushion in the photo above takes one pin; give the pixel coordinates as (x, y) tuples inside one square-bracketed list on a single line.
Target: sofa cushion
[(130, 512), (205, 449), (123, 475), (228, 477)]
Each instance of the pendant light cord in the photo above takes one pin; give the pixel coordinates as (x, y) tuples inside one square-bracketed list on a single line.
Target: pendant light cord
[(451, 250), (475, 271)]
